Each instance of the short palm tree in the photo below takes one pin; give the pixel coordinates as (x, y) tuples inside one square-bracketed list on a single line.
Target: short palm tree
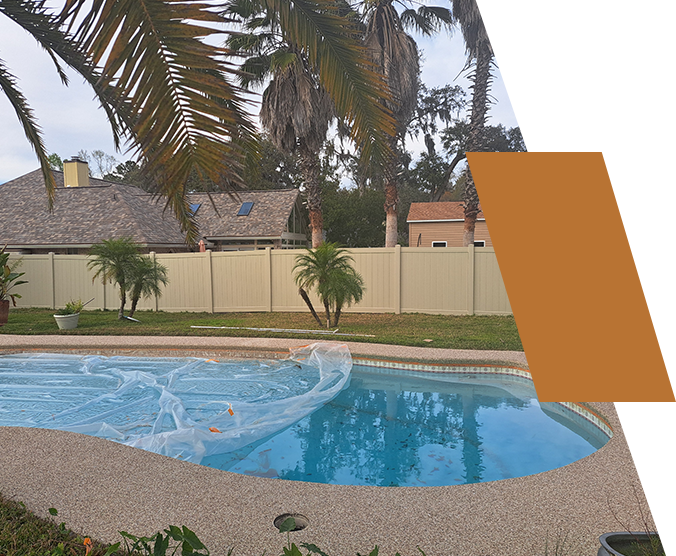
[(146, 279), (328, 269), (113, 261)]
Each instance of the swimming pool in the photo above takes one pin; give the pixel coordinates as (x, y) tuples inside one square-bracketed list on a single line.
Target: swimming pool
[(308, 418)]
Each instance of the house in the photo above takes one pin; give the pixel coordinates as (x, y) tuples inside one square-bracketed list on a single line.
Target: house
[(441, 225), (88, 210)]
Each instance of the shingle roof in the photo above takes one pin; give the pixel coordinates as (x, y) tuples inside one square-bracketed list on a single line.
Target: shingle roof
[(81, 215), (104, 210), (447, 210), (268, 217)]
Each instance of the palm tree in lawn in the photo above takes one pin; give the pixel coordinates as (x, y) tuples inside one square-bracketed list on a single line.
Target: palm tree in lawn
[(480, 58), (166, 88), (395, 56), (146, 279), (329, 270), (296, 109), (113, 261)]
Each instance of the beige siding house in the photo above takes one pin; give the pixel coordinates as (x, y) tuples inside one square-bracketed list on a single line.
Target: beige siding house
[(441, 225)]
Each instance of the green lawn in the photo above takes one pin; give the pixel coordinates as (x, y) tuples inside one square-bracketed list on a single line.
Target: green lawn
[(444, 331)]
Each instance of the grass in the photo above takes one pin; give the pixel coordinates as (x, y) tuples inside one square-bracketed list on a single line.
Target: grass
[(22, 533), (444, 331)]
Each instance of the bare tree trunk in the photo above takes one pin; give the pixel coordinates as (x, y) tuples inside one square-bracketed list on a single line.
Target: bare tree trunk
[(306, 298), (309, 162), (391, 202), (481, 82)]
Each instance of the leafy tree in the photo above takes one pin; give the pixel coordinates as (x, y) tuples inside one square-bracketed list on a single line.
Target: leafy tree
[(114, 261), (166, 86), (146, 278), (55, 162), (353, 218), (328, 269)]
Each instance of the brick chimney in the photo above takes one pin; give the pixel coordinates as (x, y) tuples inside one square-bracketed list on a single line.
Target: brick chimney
[(75, 173)]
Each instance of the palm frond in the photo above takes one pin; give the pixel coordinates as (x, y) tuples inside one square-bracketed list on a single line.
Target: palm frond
[(172, 88), (30, 127), (329, 41)]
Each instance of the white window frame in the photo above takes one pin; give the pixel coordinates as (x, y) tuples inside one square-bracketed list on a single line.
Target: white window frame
[(438, 244), (481, 241)]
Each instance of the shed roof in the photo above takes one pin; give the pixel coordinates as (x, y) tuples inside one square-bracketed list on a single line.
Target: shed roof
[(438, 212)]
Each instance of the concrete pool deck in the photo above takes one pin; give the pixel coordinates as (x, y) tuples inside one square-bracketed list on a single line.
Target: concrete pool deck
[(101, 487)]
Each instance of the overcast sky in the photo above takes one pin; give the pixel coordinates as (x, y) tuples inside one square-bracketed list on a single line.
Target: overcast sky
[(72, 120)]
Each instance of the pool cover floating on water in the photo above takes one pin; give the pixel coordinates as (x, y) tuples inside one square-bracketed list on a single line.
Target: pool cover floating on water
[(185, 408)]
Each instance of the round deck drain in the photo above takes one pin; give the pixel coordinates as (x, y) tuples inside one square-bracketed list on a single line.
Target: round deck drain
[(301, 521)]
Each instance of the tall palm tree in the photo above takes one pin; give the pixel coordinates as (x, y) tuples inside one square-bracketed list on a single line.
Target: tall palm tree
[(146, 279), (113, 261), (480, 57), (395, 56), (329, 270), (167, 90)]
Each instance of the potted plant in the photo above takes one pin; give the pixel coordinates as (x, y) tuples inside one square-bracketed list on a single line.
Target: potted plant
[(645, 543), (67, 317), (8, 280)]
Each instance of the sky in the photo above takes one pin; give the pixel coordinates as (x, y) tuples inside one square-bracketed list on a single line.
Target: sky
[(71, 119)]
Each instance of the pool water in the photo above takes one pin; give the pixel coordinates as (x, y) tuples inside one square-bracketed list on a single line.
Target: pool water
[(306, 419), (418, 429)]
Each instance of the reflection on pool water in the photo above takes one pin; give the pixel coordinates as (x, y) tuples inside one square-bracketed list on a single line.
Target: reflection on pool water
[(373, 426), (422, 429)]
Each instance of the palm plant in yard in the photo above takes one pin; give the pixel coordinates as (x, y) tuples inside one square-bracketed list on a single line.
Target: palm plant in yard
[(146, 279), (113, 261), (394, 55), (296, 109), (480, 58), (329, 270)]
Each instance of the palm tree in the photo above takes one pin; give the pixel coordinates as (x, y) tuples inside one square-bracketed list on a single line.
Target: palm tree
[(329, 270), (395, 56), (146, 279), (114, 260), (480, 58), (167, 89), (295, 110)]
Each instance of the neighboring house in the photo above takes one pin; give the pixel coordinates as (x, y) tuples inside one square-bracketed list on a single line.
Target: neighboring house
[(441, 225), (88, 210)]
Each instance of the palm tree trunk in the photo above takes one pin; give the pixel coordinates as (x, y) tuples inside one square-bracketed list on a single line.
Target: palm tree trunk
[(336, 315), (309, 163), (391, 202), (123, 300), (328, 313), (306, 298), (134, 302), (481, 81)]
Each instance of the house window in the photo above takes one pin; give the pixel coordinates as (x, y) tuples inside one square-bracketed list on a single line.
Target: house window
[(481, 243), (439, 244), (245, 209)]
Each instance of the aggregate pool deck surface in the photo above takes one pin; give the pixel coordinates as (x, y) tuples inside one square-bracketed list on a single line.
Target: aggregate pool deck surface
[(100, 487)]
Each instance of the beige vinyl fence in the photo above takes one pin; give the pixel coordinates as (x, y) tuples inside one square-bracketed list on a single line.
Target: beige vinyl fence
[(449, 281)]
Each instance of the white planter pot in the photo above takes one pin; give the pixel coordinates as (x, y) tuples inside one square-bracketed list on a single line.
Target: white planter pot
[(66, 322)]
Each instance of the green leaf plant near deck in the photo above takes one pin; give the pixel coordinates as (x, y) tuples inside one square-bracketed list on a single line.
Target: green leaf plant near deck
[(410, 329)]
